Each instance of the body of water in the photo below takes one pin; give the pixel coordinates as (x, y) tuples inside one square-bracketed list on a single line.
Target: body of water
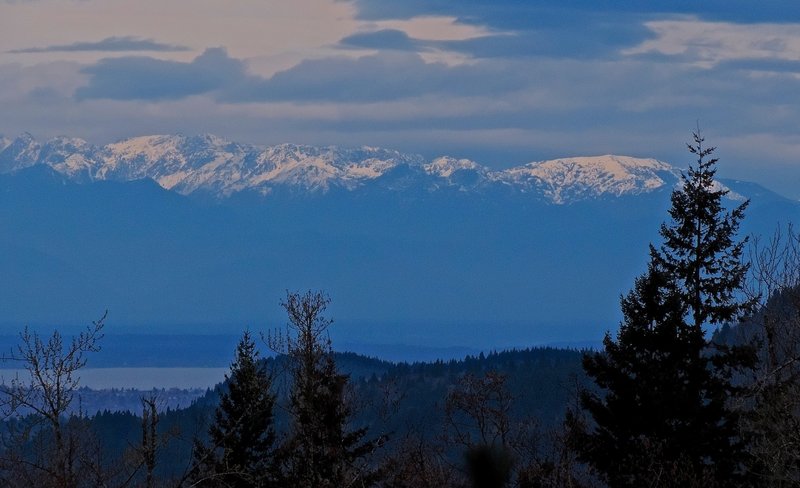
[(138, 378)]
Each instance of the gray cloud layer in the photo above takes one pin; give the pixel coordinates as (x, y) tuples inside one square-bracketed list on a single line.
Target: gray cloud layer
[(384, 77), (109, 44), (524, 14), (144, 78)]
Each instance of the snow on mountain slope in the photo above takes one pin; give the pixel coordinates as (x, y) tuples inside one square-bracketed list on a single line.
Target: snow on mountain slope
[(4, 142), (183, 164), (221, 168), (209, 163), (445, 166), (21, 153), (314, 168), (569, 179), (70, 156)]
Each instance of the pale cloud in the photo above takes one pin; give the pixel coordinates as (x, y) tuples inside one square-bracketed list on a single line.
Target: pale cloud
[(708, 44), (271, 35), (247, 28), (432, 28), (425, 35), (59, 78), (109, 44)]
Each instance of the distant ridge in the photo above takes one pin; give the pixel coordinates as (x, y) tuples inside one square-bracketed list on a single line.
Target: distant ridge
[(215, 166), (189, 232)]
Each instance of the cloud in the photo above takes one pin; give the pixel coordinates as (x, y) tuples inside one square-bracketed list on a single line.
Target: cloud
[(19, 82), (433, 28), (520, 14), (385, 39), (593, 42), (535, 32), (762, 65), (109, 44), (144, 78), (385, 76), (710, 43)]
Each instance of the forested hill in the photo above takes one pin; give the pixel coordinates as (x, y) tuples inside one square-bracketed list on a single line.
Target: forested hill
[(541, 381), (398, 399)]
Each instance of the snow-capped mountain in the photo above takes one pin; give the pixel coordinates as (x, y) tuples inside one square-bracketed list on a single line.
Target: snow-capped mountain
[(20, 153), (4, 142), (445, 166), (215, 166), (394, 237), (570, 179)]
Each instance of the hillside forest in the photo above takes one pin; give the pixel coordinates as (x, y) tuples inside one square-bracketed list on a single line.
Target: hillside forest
[(698, 386)]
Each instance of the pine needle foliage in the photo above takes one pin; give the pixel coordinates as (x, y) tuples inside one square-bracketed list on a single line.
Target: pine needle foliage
[(242, 449), (662, 415), (699, 247)]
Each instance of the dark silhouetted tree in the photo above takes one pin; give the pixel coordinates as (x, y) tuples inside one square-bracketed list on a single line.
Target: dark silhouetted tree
[(148, 449), (321, 449), (699, 249), (663, 416), (242, 437)]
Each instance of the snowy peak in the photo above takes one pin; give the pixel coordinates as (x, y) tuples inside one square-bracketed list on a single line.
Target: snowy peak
[(215, 165), (445, 166), (180, 163), (69, 156), (220, 168), (571, 179), (319, 168), (20, 153)]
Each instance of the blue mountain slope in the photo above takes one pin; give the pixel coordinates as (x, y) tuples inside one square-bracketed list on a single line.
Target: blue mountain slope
[(489, 268)]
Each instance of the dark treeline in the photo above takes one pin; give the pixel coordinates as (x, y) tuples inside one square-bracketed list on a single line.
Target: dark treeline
[(401, 401), (663, 404)]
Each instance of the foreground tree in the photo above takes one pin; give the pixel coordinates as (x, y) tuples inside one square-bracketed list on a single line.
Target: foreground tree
[(242, 436), (773, 424), (663, 416), (48, 442), (477, 414), (147, 452), (699, 251), (321, 449)]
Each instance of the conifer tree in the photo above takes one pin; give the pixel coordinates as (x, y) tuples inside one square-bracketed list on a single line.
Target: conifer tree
[(700, 250), (663, 417), (242, 436), (321, 450)]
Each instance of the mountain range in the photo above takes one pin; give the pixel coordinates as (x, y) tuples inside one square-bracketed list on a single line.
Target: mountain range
[(188, 234), (214, 166)]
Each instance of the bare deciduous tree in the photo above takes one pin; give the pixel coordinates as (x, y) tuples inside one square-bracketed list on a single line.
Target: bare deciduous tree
[(478, 410), (773, 425), (47, 443)]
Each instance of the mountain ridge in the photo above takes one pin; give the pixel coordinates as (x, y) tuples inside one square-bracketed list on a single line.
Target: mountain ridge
[(208, 164), (409, 257)]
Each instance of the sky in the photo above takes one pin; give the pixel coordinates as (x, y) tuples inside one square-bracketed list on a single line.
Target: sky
[(501, 82)]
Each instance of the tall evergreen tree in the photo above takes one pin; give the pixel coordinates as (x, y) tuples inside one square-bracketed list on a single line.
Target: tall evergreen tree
[(321, 450), (699, 247), (662, 417), (242, 437)]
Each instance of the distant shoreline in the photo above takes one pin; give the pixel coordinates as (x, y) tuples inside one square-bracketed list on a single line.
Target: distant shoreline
[(144, 378)]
